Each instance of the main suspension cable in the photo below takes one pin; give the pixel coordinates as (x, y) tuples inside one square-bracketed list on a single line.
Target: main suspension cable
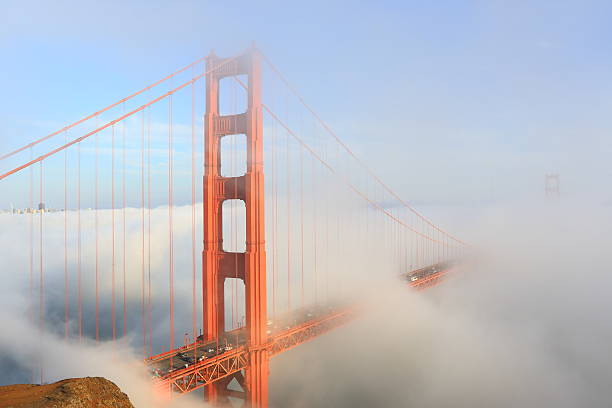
[(117, 120), (294, 91), (95, 114)]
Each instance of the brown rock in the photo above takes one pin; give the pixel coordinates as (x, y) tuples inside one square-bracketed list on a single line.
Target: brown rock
[(88, 392)]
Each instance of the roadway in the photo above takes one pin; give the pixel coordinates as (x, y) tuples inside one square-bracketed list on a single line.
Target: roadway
[(169, 364), (428, 276), (201, 363)]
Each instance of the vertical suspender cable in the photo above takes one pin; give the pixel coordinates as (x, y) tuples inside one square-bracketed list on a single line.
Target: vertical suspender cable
[(31, 219), (142, 235), (288, 176), (446, 257), (193, 218), (31, 312), (65, 239), (400, 242), (437, 246), (444, 248), (425, 244), (398, 239), (235, 226), (326, 186), (417, 249), (79, 296), (96, 221), (123, 205), (315, 227), (113, 265), (41, 287), (417, 252), (231, 240), (344, 216), (413, 244), (338, 219), (409, 242), (432, 246), (150, 321), (170, 224), (367, 220), (31, 240), (421, 247), (393, 241), (274, 220), (302, 225), (427, 248), (404, 254), (408, 246), (234, 164)]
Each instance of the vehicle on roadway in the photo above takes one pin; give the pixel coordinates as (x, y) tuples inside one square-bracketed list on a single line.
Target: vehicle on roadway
[(185, 358)]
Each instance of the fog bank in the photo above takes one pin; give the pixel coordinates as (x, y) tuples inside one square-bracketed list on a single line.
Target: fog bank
[(525, 324)]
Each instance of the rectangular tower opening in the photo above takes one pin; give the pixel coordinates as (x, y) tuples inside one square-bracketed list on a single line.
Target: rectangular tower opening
[(233, 155), (233, 213), (232, 95), (235, 305)]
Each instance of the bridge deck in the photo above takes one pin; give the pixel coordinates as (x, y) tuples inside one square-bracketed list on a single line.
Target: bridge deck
[(201, 363), (429, 276)]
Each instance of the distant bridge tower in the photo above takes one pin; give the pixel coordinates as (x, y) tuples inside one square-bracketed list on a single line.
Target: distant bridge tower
[(219, 265), (551, 185)]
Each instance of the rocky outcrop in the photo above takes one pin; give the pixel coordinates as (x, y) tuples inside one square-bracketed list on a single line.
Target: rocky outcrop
[(88, 392)]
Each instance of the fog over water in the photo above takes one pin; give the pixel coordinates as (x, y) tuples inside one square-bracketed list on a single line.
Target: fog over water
[(523, 323), (526, 324)]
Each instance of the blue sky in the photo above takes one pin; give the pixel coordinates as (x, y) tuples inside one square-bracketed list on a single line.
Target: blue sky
[(452, 102)]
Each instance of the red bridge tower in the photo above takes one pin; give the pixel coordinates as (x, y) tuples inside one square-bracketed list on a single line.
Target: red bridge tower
[(219, 265)]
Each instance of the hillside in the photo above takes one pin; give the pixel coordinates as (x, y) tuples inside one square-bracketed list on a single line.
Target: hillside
[(88, 392)]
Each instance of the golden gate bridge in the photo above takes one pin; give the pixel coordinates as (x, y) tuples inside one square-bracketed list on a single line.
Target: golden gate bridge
[(263, 261)]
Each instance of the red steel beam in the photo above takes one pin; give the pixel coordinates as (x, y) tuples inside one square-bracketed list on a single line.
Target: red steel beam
[(431, 280), (204, 373), (426, 278), (230, 363)]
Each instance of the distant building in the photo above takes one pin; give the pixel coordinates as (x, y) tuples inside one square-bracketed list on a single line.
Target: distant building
[(41, 206), (551, 185)]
